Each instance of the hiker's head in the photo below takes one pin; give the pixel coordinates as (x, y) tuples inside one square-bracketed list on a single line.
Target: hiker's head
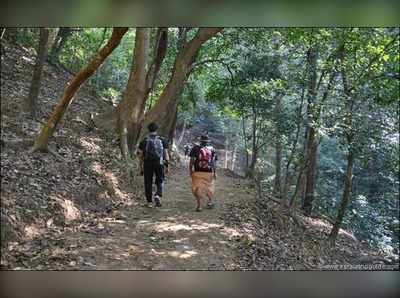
[(152, 127), (204, 140)]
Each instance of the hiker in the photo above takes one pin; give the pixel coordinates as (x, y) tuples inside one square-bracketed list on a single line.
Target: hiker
[(202, 171), (187, 149), (153, 156)]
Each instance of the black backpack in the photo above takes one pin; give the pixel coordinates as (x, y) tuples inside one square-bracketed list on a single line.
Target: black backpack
[(154, 149)]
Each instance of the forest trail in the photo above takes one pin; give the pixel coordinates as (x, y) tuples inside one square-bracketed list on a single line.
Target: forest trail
[(173, 237)]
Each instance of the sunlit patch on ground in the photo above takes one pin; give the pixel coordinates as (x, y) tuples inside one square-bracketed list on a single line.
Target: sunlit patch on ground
[(182, 255), (32, 231), (175, 227), (69, 210), (89, 145)]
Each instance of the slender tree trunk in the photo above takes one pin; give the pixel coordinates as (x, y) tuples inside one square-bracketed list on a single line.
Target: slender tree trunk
[(278, 147), (349, 102), (103, 37), (254, 154), (245, 144), (311, 150), (234, 155), (31, 100), (2, 31), (345, 199), (11, 34), (42, 140), (62, 36), (310, 172), (294, 146), (52, 38), (299, 185)]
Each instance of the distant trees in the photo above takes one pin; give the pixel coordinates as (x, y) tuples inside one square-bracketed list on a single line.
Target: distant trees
[(335, 83)]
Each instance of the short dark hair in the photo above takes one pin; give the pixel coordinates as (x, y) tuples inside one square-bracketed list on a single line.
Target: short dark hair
[(152, 127)]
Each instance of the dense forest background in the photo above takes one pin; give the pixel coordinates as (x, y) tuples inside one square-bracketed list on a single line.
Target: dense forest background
[(310, 114)]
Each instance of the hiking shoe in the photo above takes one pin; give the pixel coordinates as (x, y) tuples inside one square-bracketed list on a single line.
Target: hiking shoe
[(149, 205), (157, 200), (198, 209), (210, 205)]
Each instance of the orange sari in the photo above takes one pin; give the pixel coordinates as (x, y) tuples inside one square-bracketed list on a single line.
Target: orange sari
[(203, 183)]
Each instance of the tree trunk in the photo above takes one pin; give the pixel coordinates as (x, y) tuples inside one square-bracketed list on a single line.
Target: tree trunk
[(349, 102), (103, 37), (2, 31), (226, 156), (311, 144), (254, 155), (294, 146), (172, 131), (245, 144), (62, 36), (278, 147), (31, 100), (11, 34), (182, 133), (42, 140), (310, 172), (131, 109), (234, 155), (163, 112), (345, 199)]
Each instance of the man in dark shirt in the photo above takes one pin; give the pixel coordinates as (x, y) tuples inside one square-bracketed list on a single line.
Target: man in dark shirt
[(153, 156), (202, 170)]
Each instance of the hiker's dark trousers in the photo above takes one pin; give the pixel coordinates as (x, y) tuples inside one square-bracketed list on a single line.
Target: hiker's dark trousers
[(151, 169)]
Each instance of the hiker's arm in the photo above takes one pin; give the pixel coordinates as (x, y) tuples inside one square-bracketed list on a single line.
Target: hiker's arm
[(166, 161), (215, 166), (141, 160), (166, 155)]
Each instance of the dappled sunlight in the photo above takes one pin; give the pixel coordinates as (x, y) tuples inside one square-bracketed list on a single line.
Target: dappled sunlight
[(182, 240), (97, 168), (175, 227), (182, 255), (231, 233), (27, 59), (319, 223), (89, 145), (32, 231), (113, 186), (111, 181), (347, 234), (326, 226), (69, 210)]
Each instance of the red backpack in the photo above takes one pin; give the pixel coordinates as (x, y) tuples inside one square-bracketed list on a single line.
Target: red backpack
[(205, 158)]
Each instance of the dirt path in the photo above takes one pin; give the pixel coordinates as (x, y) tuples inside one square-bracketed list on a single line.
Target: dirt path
[(172, 237)]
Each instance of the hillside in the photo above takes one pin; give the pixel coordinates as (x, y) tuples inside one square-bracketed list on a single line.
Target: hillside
[(82, 212)]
